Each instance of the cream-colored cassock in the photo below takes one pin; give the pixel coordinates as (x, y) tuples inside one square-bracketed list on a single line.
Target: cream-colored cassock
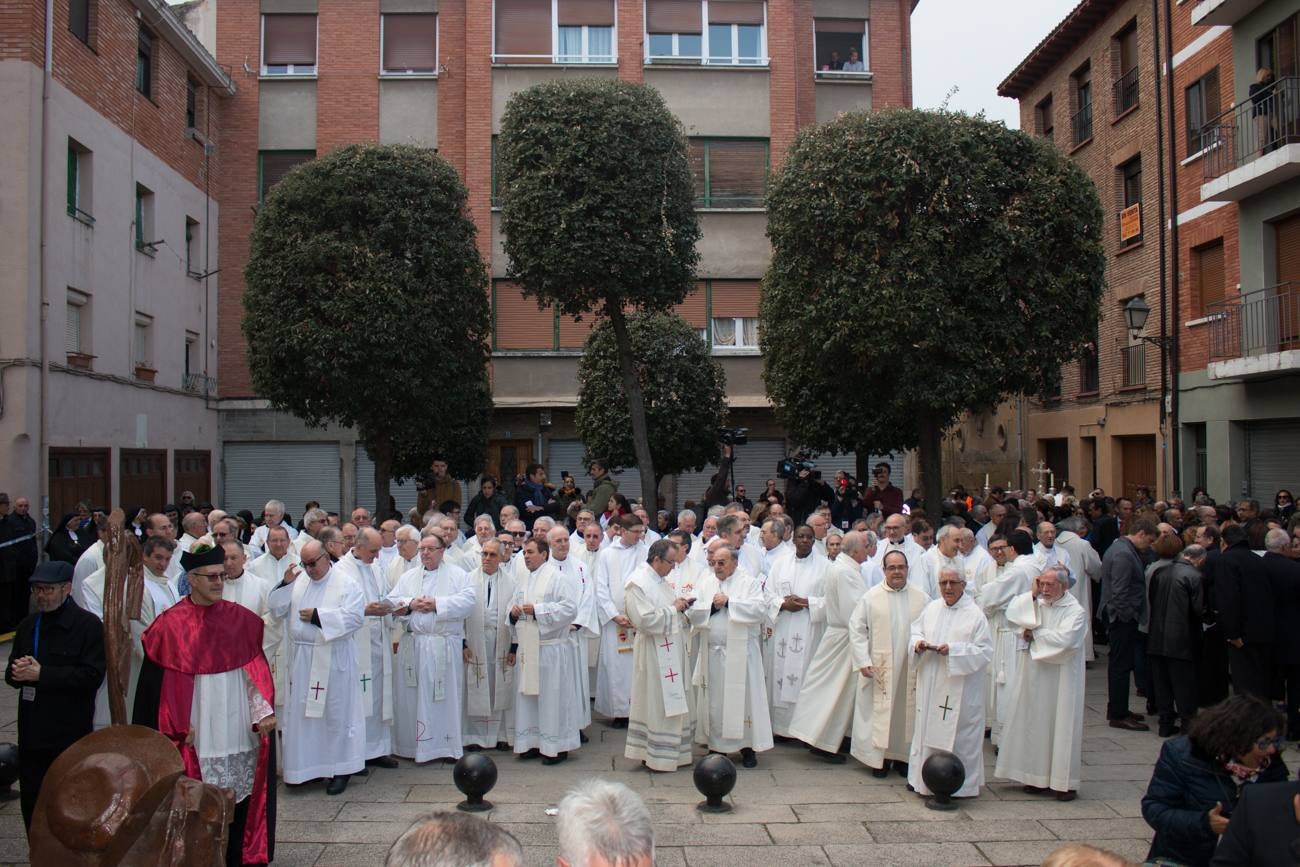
[(980, 568), (913, 551), (300, 541), (790, 650), (373, 646), (1008, 645), (254, 593), (398, 567), (731, 692), (1085, 566), (430, 672), (771, 555), (588, 561), (331, 741), (614, 675), (270, 569), (925, 574), (160, 593), (941, 679), (90, 561), (489, 681), (1043, 739), (659, 675), (586, 626), (823, 716), (885, 705), (547, 716), (461, 559)]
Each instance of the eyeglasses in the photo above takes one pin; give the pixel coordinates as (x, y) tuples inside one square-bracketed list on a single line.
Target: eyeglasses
[(519, 534), (312, 563), (429, 549), (951, 583), (1273, 743), (46, 588)]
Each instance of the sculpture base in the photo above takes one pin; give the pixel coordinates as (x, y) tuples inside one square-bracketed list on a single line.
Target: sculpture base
[(474, 806), (708, 807), (944, 805)]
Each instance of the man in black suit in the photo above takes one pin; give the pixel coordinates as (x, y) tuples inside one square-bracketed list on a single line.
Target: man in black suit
[(1284, 581), (1264, 830), (1246, 610)]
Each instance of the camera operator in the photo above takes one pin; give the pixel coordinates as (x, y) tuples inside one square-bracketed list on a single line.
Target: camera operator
[(881, 495), (719, 492), (804, 493), (846, 507)]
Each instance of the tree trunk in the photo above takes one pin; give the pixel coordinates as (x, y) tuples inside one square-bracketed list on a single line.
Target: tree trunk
[(929, 460), (383, 458), (635, 407)]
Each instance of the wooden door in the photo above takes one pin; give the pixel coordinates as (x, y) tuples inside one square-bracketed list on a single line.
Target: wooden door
[(507, 459), (78, 475), (1056, 454), (192, 472), (1286, 236), (1139, 465), (144, 478)]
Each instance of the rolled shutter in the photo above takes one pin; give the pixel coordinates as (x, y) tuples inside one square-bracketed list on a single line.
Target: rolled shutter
[(738, 172), (593, 13), (519, 324), (293, 472), (673, 16), (410, 43), (1286, 235), (735, 11), (692, 308), (695, 158), (735, 298), (289, 39), (840, 25), (1209, 273), (276, 164), (523, 28)]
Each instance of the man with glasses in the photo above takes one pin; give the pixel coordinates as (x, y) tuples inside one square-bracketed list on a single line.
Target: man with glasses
[(408, 557), (1016, 572), (320, 609), (489, 677), (614, 565), (881, 495), (56, 662), (279, 555), (272, 516), (374, 662)]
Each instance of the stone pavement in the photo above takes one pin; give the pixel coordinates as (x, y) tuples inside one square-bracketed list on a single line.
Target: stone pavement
[(791, 810)]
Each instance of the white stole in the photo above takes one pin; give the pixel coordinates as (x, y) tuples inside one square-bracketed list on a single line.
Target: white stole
[(478, 701), (322, 654), (941, 716), (672, 685), (530, 634), (365, 666)]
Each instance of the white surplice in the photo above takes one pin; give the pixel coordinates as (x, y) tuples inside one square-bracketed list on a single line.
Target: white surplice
[(430, 673), (796, 634), (885, 704), (489, 715), (585, 628), (1085, 566), (910, 549), (373, 642), (270, 569), (614, 566), (1043, 738), (924, 575), (257, 544), (663, 742), (90, 561), (333, 743), (224, 709), (980, 568), (1008, 647), (549, 720)]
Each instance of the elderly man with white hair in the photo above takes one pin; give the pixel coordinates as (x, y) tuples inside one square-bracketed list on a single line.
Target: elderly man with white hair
[(979, 564), (604, 824), (1043, 739), (407, 539), (277, 559), (484, 529), (272, 516), (312, 523), (1085, 567), (374, 661)]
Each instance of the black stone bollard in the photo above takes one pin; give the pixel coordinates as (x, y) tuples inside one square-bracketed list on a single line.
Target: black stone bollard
[(715, 777), (474, 774), (8, 771), (943, 774)]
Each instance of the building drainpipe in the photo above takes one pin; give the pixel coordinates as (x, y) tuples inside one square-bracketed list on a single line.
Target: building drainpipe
[(1164, 306), (1174, 344), (47, 84)]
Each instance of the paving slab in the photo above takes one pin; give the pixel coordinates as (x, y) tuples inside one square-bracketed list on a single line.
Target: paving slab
[(906, 855)]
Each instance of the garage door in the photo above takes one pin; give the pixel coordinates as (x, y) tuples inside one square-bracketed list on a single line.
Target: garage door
[(294, 473), (405, 493), (566, 455), (755, 464), (1272, 459)]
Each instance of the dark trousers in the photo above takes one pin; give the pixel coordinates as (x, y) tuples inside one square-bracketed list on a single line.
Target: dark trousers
[(1212, 667), (1175, 688), (1142, 670), (1119, 666), (1252, 670), (32, 767)]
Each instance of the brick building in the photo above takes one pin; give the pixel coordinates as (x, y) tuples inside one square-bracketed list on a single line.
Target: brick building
[(742, 75), (109, 245)]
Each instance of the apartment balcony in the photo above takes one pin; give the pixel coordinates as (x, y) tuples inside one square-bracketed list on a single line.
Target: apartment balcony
[(1225, 12), (1253, 146), (1256, 333), (197, 383)]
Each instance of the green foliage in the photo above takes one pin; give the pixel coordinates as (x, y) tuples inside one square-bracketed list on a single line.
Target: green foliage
[(924, 263), (367, 305), (596, 196), (685, 395)]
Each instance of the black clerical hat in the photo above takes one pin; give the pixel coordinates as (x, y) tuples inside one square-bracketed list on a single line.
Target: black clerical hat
[(204, 556)]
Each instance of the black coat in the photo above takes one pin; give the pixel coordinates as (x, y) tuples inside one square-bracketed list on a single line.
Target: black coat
[(64, 546), (1263, 831), (71, 655), (1244, 596), (1104, 533), (26, 554), (1284, 581), (1175, 621)]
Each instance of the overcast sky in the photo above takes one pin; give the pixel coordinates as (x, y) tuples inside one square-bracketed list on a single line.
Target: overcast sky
[(973, 46)]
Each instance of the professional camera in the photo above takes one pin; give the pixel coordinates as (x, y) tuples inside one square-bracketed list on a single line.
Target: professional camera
[(733, 436), (789, 468)]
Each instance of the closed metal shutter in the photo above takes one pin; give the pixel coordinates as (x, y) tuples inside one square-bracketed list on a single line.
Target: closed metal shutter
[(1272, 459), (755, 464), (364, 494), (567, 455), (294, 473)]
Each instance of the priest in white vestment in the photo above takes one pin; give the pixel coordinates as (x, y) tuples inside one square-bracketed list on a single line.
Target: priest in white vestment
[(388, 548), (730, 610), (896, 538), (374, 655), (953, 649), (279, 556), (823, 716), (944, 554), (272, 516), (796, 604), (408, 558), (323, 721), (661, 720), (90, 561), (979, 564), (484, 529), (432, 602), (489, 678), (614, 567), (733, 530), (253, 592), (1047, 552), (586, 624), (1009, 645), (1043, 740), (1085, 569), (312, 522), (771, 538), (587, 550), (880, 631), (547, 716)]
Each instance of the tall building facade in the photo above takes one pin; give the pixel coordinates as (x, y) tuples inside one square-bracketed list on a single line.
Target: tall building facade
[(742, 75), (108, 175)]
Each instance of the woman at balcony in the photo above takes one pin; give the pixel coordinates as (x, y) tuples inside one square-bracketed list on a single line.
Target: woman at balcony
[(1261, 100)]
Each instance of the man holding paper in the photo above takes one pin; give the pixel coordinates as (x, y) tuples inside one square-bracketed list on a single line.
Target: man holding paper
[(374, 656)]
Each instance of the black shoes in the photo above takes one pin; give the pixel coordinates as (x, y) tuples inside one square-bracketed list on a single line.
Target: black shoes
[(583, 739), (901, 767), (383, 762), (555, 759), (503, 747), (534, 753), (1130, 724), (880, 773), (473, 748), (747, 758), (829, 757), (337, 785), (618, 722)]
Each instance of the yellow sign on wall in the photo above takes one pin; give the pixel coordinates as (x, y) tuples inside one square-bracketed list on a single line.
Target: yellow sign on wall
[(1130, 222)]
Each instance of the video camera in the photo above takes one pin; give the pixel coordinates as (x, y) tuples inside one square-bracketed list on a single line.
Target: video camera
[(733, 436), (789, 468)]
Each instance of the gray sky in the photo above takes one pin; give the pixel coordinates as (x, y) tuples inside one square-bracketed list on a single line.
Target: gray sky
[(974, 46)]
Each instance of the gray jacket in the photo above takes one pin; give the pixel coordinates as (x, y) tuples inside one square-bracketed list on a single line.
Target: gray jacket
[(1123, 582)]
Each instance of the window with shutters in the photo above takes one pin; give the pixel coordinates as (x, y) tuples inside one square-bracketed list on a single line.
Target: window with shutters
[(274, 165), (674, 31), (522, 31), (289, 45), (1202, 101), (409, 44), (144, 62), (563, 31), (81, 19), (584, 31), (835, 43), (145, 240), (76, 326), (1081, 98), (1130, 218), (142, 344), (729, 173), (734, 310), (1124, 60), (79, 182), (710, 32), (1207, 272)]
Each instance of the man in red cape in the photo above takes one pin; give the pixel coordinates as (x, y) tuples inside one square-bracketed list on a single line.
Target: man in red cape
[(212, 647)]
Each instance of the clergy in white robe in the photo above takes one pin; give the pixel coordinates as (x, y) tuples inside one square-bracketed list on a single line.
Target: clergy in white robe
[(953, 649), (1008, 643), (90, 561), (1085, 569), (1047, 552), (388, 550), (944, 554), (323, 721), (547, 716), (979, 564), (1043, 740), (408, 538), (586, 624), (273, 515), (880, 630), (896, 538), (587, 550), (662, 720), (771, 539), (433, 603), (823, 716), (489, 676), (253, 592), (614, 566), (279, 556), (374, 654), (731, 693), (797, 607), (733, 529)]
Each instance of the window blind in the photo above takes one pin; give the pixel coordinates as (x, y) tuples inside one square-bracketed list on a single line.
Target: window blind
[(289, 40), (276, 164), (523, 28), (738, 172), (410, 43), (840, 25), (735, 298), (593, 13), (735, 11), (673, 16)]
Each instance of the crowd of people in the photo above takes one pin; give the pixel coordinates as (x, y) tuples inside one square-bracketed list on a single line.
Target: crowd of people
[(835, 615)]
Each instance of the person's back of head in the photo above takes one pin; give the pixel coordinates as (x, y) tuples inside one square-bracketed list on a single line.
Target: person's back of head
[(1082, 855), (604, 824), (455, 840)]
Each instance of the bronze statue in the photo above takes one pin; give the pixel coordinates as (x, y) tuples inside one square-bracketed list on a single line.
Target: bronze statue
[(123, 592)]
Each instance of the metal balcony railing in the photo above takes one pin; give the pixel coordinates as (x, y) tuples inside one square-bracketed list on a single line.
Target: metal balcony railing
[(1263, 123), (199, 384), (1256, 323), (1126, 91), (1081, 124), (1133, 365)]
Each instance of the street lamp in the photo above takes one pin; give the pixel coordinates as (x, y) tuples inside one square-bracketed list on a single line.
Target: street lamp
[(1136, 313)]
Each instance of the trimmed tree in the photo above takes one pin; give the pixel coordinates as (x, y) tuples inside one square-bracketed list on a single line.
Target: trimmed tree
[(366, 306), (683, 387), (597, 209), (924, 264)]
